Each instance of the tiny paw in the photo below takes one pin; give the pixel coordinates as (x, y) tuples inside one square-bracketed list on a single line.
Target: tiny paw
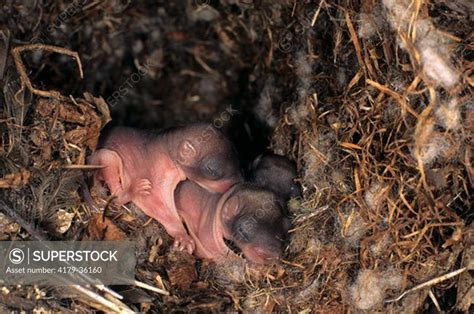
[(142, 187), (184, 243)]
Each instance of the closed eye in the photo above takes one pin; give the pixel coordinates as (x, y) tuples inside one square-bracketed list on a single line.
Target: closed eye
[(212, 170)]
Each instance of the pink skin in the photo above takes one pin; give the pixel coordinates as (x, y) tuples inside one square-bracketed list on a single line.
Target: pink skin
[(203, 225), (219, 187), (259, 255), (204, 214), (145, 171)]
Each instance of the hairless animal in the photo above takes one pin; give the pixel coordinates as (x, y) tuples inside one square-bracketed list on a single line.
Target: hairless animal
[(145, 168), (248, 215)]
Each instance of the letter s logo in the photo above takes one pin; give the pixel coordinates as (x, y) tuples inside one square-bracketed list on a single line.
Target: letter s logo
[(16, 256)]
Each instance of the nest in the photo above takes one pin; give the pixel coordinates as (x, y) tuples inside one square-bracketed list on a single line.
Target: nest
[(372, 99)]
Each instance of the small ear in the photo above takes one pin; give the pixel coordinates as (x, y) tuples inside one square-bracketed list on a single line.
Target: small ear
[(255, 163), (231, 208), (186, 153)]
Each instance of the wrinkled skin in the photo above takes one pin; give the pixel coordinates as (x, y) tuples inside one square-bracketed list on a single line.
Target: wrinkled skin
[(248, 215), (276, 173), (145, 167)]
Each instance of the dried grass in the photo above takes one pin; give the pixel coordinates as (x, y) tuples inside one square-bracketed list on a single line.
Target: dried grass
[(377, 115)]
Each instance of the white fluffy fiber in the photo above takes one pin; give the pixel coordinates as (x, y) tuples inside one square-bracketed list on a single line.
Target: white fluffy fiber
[(432, 45)]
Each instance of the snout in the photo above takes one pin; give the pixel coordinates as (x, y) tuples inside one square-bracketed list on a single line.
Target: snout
[(261, 255), (295, 190)]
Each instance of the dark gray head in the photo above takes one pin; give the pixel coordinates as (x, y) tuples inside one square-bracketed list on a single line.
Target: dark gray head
[(206, 156), (276, 173), (253, 219)]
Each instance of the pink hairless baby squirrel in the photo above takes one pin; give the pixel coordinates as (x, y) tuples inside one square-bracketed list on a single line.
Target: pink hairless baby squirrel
[(248, 215), (145, 168)]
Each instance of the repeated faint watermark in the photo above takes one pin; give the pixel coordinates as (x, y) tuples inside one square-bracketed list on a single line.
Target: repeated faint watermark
[(286, 43), (269, 204), (206, 134), (72, 10), (64, 16), (128, 84)]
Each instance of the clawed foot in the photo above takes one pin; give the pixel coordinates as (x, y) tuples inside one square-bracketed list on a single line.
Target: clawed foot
[(142, 187), (184, 243)]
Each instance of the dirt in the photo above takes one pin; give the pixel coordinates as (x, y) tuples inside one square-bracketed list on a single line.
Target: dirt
[(372, 99)]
